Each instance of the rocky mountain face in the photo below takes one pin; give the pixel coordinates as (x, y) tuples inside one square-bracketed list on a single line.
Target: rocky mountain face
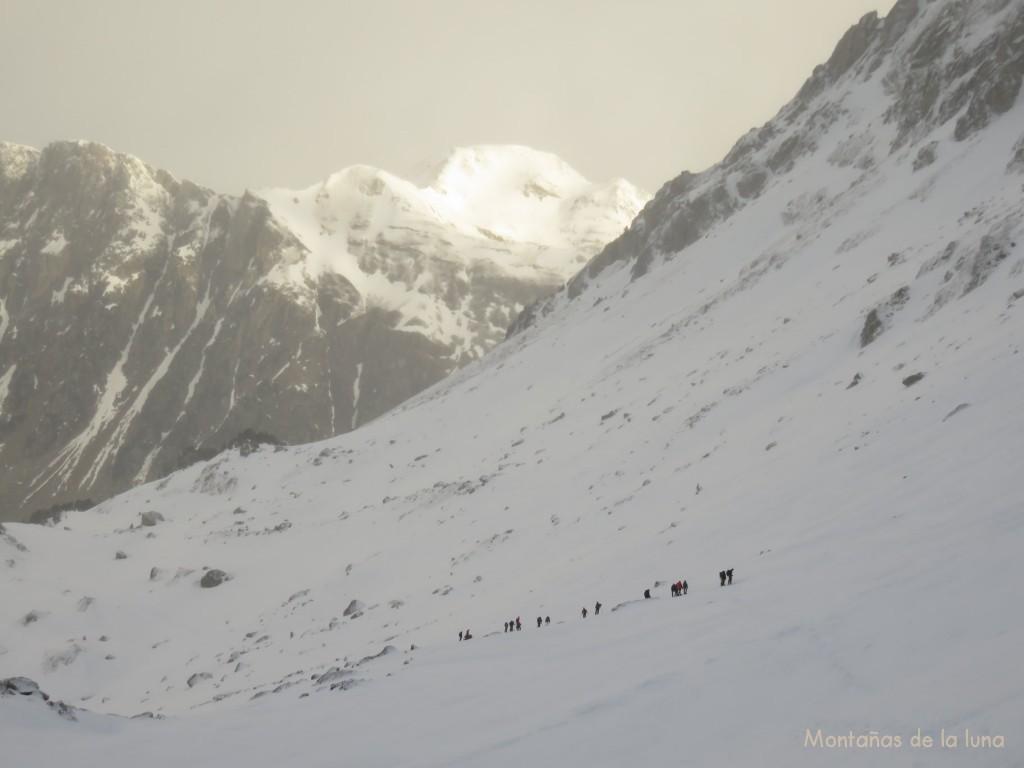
[(146, 322), (914, 89)]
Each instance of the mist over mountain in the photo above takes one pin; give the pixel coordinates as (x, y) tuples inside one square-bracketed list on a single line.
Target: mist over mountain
[(146, 322), (802, 364)]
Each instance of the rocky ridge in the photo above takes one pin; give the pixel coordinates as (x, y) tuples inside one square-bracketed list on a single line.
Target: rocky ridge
[(910, 90)]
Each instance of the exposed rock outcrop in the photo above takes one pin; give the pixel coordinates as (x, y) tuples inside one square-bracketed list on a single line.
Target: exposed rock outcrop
[(213, 578)]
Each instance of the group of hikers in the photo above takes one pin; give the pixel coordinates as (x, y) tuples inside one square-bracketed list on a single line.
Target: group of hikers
[(678, 589)]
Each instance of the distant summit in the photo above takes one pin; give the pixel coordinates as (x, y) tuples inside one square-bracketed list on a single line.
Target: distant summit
[(518, 193)]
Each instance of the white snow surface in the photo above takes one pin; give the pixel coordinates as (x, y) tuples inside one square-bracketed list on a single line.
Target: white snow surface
[(696, 419), (511, 209)]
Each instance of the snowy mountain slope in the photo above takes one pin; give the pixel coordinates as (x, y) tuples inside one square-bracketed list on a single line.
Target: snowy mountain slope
[(145, 322), (821, 391), (912, 89)]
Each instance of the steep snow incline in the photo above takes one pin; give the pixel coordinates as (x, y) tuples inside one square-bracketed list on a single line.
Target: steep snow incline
[(702, 418), (913, 90)]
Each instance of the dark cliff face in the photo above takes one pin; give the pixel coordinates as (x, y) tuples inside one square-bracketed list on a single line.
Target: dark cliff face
[(937, 67), (141, 326)]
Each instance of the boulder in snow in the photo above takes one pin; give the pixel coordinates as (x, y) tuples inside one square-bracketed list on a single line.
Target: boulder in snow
[(197, 678), (355, 609), (213, 578), (23, 686)]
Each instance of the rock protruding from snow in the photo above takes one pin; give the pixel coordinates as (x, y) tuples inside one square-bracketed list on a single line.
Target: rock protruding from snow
[(20, 686), (197, 678), (85, 603), (213, 578), (879, 318), (25, 687), (53, 660), (355, 609), (149, 519), (6, 536)]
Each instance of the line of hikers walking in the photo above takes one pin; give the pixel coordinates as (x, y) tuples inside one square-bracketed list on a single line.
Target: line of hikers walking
[(678, 589)]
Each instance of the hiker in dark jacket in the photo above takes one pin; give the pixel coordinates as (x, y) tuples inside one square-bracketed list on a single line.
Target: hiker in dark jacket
[(539, 622), (729, 575), (460, 637), (685, 587), (647, 593), (584, 612), (547, 619), (597, 608), (721, 576)]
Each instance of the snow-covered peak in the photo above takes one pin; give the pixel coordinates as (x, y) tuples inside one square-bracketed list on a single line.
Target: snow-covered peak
[(498, 169), (491, 210), (15, 161), (519, 193)]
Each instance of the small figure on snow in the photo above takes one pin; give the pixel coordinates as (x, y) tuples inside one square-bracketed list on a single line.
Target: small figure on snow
[(647, 594), (729, 575), (460, 637), (468, 636), (584, 612), (539, 622), (685, 586), (519, 626), (597, 608), (721, 576), (547, 619), (506, 626)]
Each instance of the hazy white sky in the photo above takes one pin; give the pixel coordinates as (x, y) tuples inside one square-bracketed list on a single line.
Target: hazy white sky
[(250, 93)]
